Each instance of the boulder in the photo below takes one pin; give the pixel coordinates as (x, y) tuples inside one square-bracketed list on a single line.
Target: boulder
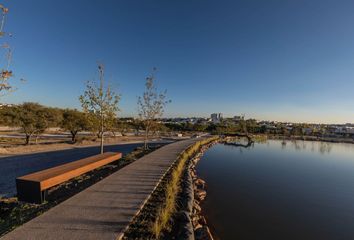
[(188, 198), (203, 233), (185, 231), (197, 207), (199, 183), (200, 194)]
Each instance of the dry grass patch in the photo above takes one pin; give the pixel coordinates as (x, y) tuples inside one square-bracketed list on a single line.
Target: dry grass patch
[(167, 210)]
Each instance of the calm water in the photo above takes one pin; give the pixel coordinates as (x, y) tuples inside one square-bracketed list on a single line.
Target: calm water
[(301, 190)]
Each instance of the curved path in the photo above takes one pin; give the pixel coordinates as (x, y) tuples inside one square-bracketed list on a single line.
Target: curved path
[(104, 210)]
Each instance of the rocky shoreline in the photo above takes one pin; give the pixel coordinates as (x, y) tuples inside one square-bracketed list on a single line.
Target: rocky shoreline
[(199, 223)]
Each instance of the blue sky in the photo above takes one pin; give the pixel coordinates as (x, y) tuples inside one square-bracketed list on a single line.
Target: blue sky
[(275, 59)]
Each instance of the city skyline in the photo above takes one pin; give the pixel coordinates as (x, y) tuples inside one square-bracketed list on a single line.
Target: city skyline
[(286, 61)]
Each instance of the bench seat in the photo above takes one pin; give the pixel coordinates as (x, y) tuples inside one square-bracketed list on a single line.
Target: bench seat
[(31, 187)]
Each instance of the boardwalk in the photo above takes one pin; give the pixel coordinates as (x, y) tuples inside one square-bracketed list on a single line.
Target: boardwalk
[(104, 210)]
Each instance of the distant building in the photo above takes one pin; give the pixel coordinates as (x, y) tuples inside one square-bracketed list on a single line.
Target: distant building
[(238, 118), (216, 117), (6, 105)]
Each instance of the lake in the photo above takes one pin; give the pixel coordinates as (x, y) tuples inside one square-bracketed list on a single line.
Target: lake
[(280, 190)]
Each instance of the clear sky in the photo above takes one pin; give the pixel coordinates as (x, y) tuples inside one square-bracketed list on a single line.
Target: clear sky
[(275, 59)]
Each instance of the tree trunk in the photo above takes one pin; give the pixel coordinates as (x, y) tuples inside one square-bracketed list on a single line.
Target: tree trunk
[(27, 140), (102, 143), (73, 136), (146, 138), (102, 133)]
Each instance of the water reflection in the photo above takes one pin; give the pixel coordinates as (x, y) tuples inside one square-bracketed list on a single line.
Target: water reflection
[(283, 144), (303, 146), (297, 145), (325, 147)]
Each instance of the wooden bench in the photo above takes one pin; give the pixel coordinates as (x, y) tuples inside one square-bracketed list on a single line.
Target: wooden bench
[(31, 187)]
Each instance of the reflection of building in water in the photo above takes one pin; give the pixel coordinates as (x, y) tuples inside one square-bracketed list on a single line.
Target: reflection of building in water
[(283, 144), (321, 147), (325, 147), (296, 145)]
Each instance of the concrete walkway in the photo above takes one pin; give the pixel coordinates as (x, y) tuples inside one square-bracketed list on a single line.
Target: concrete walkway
[(104, 210)]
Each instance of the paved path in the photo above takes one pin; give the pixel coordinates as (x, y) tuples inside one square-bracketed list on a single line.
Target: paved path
[(104, 210)]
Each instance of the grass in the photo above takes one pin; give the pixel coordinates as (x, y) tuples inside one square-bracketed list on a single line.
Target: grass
[(167, 210)]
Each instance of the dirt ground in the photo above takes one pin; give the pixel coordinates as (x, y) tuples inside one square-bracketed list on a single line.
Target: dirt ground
[(47, 146)]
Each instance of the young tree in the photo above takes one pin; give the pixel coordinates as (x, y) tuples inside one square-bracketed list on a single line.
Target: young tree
[(100, 102), (74, 121), (151, 106)]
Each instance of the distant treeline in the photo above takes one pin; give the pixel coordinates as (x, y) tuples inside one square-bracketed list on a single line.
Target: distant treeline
[(35, 119)]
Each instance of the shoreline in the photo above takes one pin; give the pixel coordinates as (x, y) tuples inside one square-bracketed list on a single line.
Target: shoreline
[(202, 231), (311, 138), (179, 222), (200, 225)]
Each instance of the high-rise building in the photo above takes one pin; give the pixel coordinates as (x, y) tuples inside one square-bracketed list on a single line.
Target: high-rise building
[(216, 117)]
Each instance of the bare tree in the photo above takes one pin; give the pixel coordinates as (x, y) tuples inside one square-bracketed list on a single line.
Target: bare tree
[(5, 74), (151, 106), (101, 102)]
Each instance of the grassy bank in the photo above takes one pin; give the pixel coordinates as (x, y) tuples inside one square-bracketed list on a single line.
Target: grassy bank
[(155, 219)]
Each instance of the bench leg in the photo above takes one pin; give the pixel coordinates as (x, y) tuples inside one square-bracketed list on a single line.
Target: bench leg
[(29, 191), (44, 195)]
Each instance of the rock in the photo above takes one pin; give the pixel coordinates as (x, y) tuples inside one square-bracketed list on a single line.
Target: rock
[(200, 183), (200, 194), (194, 175), (198, 226), (187, 196), (202, 220), (196, 160), (197, 207), (195, 220), (203, 233), (185, 232)]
